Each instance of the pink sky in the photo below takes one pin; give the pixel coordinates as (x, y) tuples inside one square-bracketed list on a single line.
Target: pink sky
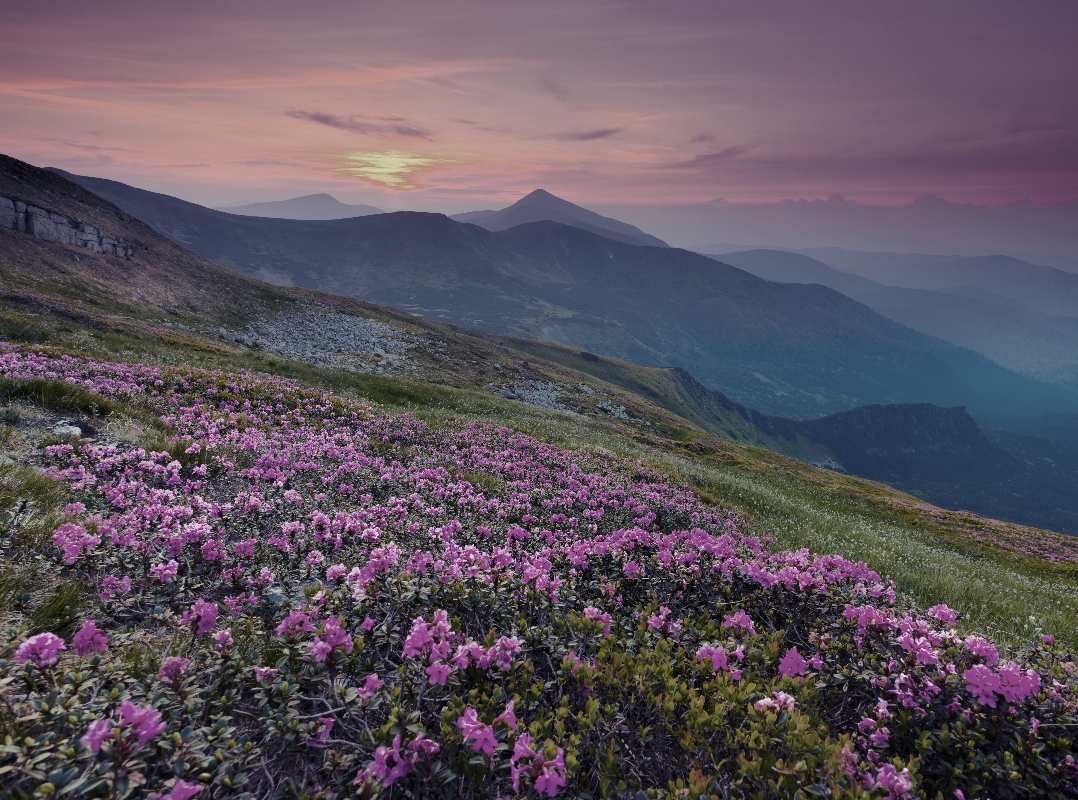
[(459, 105)]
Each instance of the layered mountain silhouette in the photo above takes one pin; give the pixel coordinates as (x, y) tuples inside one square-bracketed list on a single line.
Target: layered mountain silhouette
[(997, 278), (311, 206), (795, 350), (1033, 342), (542, 206), (940, 454)]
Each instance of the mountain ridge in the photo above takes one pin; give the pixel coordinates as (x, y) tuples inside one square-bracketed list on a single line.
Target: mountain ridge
[(794, 351), (308, 207), (542, 206)]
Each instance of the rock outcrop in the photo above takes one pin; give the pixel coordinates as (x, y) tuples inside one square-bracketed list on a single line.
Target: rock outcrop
[(52, 227)]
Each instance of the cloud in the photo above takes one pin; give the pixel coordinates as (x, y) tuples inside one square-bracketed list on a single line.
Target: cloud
[(555, 89), (396, 125), (702, 137), (589, 136), (708, 160)]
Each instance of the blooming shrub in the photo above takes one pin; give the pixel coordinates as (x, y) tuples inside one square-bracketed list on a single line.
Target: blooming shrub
[(569, 624)]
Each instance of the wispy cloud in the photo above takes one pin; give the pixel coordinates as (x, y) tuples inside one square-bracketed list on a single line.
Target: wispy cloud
[(589, 136), (706, 160), (555, 89), (387, 126)]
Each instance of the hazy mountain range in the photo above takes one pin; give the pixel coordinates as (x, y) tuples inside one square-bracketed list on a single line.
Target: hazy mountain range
[(784, 349), (1020, 315), (311, 206), (1041, 234)]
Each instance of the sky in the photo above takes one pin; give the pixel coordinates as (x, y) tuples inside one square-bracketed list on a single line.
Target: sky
[(462, 105)]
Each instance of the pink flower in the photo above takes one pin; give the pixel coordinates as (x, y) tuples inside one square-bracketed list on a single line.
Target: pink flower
[(42, 650), (336, 573), (439, 673), (263, 674), (143, 722), (1014, 686), (792, 664), (982, 684), (507, 716), (595, 615), (90, 639), (367, 624), (165, 572), (96, 735), (172, 669), (370, 687), (739, 620), (295, 623), (551, 776), (984, 649), (389, 764), (897, 784), (944, 614), (181, 790), (222, 639), (321, 729), (657, 621), (481, 736), (333, 635), (633, 570), (717, 655), (521, 752), (778, 702), (202, 616)]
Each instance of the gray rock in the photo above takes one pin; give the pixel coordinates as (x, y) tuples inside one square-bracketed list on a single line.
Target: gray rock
[(7, 213), (67, 430), (20, 208)]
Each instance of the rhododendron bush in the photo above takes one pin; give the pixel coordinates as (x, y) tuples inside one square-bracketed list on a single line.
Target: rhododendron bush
[(302, 596)]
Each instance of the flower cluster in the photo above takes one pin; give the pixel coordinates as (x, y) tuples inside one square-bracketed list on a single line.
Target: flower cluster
[(300, 594)]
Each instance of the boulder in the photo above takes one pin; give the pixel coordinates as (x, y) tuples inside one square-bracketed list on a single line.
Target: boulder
[(7, 213)]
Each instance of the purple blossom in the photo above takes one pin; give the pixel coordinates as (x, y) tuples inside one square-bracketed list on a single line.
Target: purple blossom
[(473, 730), (172, 669), (42, 650), (90, 639), (792, 665), (181, 790)]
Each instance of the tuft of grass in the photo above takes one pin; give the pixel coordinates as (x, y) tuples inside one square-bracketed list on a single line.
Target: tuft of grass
[(56, 396), (12, 583), (59, 612)]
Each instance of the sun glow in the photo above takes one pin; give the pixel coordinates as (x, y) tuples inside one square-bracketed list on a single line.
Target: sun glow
[(392, 168)]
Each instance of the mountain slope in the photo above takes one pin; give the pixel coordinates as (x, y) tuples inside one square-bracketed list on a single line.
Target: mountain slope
[(311, 206), (781, 348), (1035, 344), (542, 206), (171, 306), (1042, 289)]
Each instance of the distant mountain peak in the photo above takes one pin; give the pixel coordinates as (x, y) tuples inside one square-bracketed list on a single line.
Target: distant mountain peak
[(309, 207), (540, 205)]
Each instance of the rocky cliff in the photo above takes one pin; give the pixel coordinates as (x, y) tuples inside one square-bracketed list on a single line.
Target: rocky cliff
[(54, 227)]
